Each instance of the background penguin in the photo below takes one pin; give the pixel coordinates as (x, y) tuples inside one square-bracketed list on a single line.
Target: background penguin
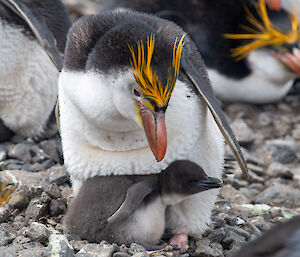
[(120, 108), (28, 78), (255, 68), (126, 209), (280, 241)]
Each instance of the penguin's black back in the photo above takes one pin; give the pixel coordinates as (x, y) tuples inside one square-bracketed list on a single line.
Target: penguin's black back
[(52, 12)]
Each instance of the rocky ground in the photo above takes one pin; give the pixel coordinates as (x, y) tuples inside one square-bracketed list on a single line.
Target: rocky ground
[(31, 222)]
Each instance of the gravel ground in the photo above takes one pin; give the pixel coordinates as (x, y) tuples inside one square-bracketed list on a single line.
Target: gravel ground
[(31, 222)]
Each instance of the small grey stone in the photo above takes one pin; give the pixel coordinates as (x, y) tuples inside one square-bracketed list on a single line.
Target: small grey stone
[(204, 249), (278, 195), (38, 232), (138, 254), (121, 254), (50, 148), (103, 249), (78, 245), (38, 155), (232, 195), (239, 231), (136, 248), (283, 151), (59, 246), (84, 255), (53, 191), (3, 153), (232, 237), (36, 209), (57, 207), (45, 198), (5, 252), (58, 175), (21, 152), (4, 239), (29, 179), (34, 252), (21, 240), (4, 213), (243, 132), (20, 198), (34, 167), (277, 169), (217, 235)]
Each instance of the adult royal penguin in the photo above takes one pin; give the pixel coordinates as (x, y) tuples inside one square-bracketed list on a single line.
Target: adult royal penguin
[(137, 203), (29, 31), (134, 97), (250, 47)]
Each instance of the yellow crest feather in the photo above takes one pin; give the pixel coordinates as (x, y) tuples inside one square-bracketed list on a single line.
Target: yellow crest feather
[(264, 34), (147, 80)]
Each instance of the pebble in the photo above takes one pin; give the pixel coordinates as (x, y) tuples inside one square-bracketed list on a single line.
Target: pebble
[(103, 249), (205, 249), (4, 213), (57, 207), (277, 169), (279, 194), (283, 151), (20, 198), (58, 175), (59, 246), (51, 149), (38, 232), (21, 152), (232, 195), (36, 209), (53, 191), (243, 132)]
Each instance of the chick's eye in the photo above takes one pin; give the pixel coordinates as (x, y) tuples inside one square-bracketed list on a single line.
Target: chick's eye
[(137, 93)]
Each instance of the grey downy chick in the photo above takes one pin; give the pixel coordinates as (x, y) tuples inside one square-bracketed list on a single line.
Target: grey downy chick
[(131, 208)]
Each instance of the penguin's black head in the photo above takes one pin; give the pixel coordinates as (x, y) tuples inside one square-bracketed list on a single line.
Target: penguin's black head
[(273, 29), (186, 178), (138, 56)]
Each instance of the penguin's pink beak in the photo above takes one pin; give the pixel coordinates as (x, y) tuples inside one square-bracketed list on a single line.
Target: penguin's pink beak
[(155, 130), (291, 60)]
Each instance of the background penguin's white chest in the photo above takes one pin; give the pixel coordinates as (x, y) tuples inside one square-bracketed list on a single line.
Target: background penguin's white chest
[(28, 86)]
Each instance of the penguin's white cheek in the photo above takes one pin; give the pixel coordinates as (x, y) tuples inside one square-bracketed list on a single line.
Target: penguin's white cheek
[(126, 105)]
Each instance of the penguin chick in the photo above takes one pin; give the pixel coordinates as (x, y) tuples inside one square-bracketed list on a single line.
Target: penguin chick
[(28, 84), (130, 208)]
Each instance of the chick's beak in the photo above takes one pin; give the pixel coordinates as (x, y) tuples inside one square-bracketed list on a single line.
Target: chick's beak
[(291, 60), (155, 130)]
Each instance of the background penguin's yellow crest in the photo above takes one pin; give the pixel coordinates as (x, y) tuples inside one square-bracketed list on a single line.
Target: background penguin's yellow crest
[(264, 33), (148, 82)]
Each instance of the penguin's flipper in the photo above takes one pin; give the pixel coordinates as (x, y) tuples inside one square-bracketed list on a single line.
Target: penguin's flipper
[(205, 91), (39, 28), (134, 197)]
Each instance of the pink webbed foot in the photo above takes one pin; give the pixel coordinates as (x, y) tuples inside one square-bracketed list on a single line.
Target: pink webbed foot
[(181, 240)]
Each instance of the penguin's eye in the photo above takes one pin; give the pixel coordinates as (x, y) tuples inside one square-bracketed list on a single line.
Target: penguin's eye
[(137, 93)]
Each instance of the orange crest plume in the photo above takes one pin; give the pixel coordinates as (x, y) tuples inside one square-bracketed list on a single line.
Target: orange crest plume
[(264, 34), (147, 80)]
